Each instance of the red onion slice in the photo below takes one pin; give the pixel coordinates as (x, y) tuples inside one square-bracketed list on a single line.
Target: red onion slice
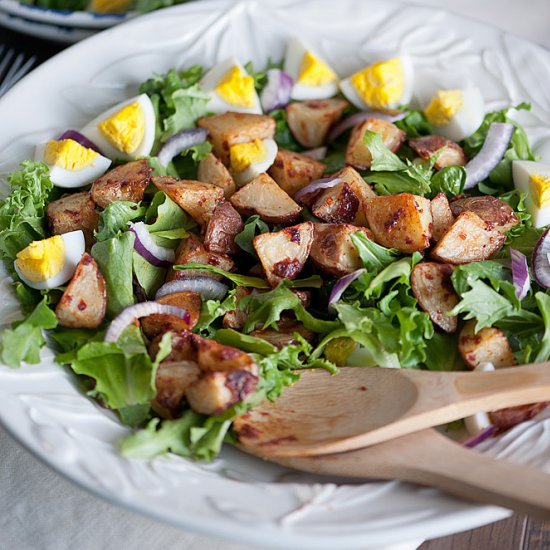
[(540, 262), (137, 311), (316, 154), (484, 434), (341, 285), (149, 249), (79, 138), (495, 145), (317, 185), (276, 94), (208, 288), (520, 273), (180, 142), (354, 119)]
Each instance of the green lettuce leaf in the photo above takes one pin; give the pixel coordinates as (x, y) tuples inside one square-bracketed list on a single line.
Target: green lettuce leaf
[(252, 227), (283, 135), (374, 257), (245, 342), (114, 219), (382, 158), (449, 181)]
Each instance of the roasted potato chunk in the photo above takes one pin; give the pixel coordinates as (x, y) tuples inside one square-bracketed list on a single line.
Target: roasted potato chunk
[(231, 128), (73, 212), (427, 146), (198, 199), (468, 239), (497, 214), (402, 221), (213, 356), (293, 171), (283, 254), (123, 183), (505, 419), (236, 318), (489, 345), (154, 325), (432, 287), (358, 154), (310, 121), (212, 170), (84, 302), (442, 216), (285, 336), (264, 197), (222, 229), (332, 250), (184, 347)]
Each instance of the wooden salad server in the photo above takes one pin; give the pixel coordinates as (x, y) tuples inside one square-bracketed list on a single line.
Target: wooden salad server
[(361, 406)]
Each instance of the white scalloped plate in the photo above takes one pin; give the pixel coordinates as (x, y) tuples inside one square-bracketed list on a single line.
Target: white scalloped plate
[(236, 496)]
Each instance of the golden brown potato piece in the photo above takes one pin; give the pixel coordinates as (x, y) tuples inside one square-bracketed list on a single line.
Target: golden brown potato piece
[(154, 325), (427, 146), (495, 212), (442, 216), (402, 221), (310, 121), (505, 419), (222, 229), (213, 356), (358, 154), (184, 347), (231, 128), (285, 336), (264, 197), (332, 250), (72, 213), (84, 301), (236, 318), (123, 183), (489, 345), (212, 170), (172, 381), (293, 171), (283, 254), (469, 239), (432, 287), (198, 199)]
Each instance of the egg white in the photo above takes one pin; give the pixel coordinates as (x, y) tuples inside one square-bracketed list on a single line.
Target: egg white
[(522, 170), (257, 168), (92, 132), (69, 179), (217, 104), (75, 247), (295, 52)]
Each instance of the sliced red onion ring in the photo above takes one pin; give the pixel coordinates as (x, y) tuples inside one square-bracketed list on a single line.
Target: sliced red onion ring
[(520, 273), (484, 434), (180, 142), (137, 311), (149, 249), (316, 154), (341, 286), (79, 138), (276, 94), (354, 119), (323, 183), (208, 288), (495, 145), (540, 260)]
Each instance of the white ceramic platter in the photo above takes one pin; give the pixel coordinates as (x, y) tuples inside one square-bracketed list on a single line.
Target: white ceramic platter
[(236, 496)]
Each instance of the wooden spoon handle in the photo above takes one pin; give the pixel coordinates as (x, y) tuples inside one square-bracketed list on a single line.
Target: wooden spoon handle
[(429, 458)]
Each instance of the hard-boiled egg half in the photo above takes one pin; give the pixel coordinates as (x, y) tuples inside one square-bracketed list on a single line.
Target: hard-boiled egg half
[(70, 163), (50, 263), (384, 84), (313, 78), (248, 160), (126, 131), (230, 88), (533, 178), (456, 114)]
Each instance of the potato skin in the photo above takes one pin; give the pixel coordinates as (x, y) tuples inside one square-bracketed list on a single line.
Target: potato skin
[(442, 216), (504, 419), (495, 212), (212, 170), (236, 318), (432, 287), (213, 356), (222, 229), (427, 146), (84, 301), (285, 336), (402, 221), (123, 183), (184, 347)]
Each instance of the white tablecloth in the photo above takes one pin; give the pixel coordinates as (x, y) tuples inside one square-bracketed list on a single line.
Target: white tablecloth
[(40, 510)]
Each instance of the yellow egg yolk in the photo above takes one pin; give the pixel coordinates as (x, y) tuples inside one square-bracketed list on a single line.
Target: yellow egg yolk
[(68, 154), (236, 88), (540, 189), (243, 155), (110, 6), (314, 72), (42, 260), (124, 130), (381, 84), (443, 107)]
